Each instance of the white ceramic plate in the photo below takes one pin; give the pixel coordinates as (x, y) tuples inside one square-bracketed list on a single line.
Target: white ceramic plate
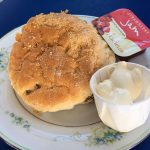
[(22, 130)]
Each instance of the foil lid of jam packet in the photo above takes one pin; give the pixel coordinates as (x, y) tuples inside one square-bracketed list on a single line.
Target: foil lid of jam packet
[(124, 32)]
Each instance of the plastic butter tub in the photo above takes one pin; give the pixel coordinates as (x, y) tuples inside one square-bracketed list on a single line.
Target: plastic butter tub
[(122, 117)]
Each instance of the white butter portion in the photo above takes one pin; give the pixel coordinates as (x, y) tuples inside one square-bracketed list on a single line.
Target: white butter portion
[(104, 88), (124, 85), (120, 96)]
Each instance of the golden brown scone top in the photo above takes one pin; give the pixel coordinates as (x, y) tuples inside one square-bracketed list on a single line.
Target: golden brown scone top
[(53, 59)]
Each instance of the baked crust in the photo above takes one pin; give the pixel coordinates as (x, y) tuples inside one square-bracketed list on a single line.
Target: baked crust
[(52, 61)]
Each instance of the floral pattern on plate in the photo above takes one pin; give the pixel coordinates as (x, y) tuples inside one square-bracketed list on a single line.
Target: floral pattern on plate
[(3, 58), (19, 120), (103, 135)]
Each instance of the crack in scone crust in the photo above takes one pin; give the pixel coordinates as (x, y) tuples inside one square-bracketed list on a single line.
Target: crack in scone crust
[(53, 59)]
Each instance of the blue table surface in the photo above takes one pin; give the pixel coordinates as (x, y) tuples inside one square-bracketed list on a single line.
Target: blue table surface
[(14, 13)]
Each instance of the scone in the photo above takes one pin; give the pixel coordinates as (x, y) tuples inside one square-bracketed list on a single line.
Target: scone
[(53, 59)]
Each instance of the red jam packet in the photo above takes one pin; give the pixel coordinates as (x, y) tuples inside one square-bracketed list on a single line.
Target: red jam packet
[(124, 32)]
